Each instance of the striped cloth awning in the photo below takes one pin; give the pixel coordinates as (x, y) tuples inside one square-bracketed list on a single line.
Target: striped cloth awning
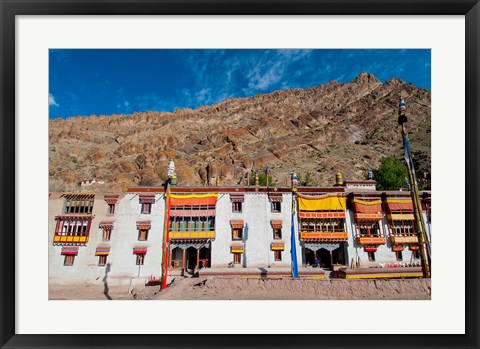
[(102, 251), (399, 205), (236, 249), (277, 246), (276, 224), (111, 199), (237, 197), (397, 248), (339, 214), (236, 223), (192, 213), (105, 225), (277, 197), (147, 199), (139, 250), (193, 200), (69, 251), (143, 225)]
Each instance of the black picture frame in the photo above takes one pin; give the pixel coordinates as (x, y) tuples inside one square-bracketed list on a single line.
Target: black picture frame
[(10, 8)]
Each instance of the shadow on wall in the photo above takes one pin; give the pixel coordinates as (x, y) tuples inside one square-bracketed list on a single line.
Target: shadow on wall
[(105, 283), (245, 238)]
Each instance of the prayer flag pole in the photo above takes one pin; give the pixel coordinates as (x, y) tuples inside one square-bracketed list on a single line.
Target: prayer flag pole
[(172, 180), (293, 249), (417, 208)]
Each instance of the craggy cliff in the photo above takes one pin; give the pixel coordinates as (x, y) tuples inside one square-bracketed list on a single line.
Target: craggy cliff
[(322, 129)]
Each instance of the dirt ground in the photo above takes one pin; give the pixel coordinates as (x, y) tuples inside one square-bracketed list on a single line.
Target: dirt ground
[(255, 289)]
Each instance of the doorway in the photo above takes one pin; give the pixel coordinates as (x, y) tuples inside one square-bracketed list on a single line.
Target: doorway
[(191, 256)]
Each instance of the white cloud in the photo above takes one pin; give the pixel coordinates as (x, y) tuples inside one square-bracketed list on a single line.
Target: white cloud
[(51, 101)]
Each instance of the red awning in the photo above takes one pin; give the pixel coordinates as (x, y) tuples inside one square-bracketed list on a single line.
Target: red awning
[(147, 199), (208, 201), (237, 223), (361, 206), (370, 249), (276, 224), (139, 251), (404, 205), (69, 251), (397, 248), (143, 225), (413, 247), (237, 197)]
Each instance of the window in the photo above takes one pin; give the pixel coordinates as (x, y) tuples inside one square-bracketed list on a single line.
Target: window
[(277, 233), (323, 225), (140, 259), (368, 228), (78, 203), (68, 227), (237, 207), (69, 260), (146, 208), (237, 233), (111, 209), (277, 255), (276, 206), (399, 255), (143, 234), (236, 258), (371, 256), (416, 254), (102, 260), (107, 232)]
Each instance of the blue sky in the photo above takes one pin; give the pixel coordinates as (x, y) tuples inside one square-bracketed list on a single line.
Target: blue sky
[(103, 82)]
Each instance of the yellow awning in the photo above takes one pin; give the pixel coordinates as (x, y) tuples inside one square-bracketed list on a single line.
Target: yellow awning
[(193, 196), (331, 203)]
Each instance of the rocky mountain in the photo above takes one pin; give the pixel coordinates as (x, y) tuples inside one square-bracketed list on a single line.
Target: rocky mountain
[(318, 130)]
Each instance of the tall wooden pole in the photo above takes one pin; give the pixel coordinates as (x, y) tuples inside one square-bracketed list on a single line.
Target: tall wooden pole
[(417, 208), (166, 227)]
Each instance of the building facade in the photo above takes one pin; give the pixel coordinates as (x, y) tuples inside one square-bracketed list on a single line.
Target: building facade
[(95, 237)]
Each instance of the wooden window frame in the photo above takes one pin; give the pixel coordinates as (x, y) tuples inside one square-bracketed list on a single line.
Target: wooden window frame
[(274, 205), (399, 255), (69, 260), (237, 207), (416, 254), (143, 234), (111, 209), (146, 208), (237, 233), (140, 259), (102, 260), (277, 256), (237, 258), (371, 256), (107, 234), (277, 233)]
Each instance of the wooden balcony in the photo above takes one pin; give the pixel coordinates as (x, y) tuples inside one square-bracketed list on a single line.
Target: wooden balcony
[(403, 239), (324, 236), (369, 240), (190, 234), (59, 239), (400, 217)]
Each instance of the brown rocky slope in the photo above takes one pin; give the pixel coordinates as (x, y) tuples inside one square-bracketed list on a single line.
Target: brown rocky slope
[(322, 129)]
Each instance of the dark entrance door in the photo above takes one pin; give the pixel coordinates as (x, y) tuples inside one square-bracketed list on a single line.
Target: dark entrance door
[(191, 259), (309, 257), (324, 256), (338, 255), (204, 258)]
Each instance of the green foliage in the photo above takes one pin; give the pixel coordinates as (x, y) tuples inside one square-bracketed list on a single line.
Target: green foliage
[(305, 180), (391, 174), (262, 180)]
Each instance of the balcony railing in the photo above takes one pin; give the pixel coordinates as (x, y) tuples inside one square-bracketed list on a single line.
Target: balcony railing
[(404, 239), (192, 234), (371, 240), (58, 239), (326, 236)]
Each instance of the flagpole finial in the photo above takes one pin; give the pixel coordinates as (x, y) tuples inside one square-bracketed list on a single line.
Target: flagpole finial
[(402, 117)]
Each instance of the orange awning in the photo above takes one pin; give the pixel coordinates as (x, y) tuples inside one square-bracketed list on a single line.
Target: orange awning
[(193, 200)]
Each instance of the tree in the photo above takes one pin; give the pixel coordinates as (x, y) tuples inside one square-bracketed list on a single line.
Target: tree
[(391, 174), (307, 180), (262, 179)]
